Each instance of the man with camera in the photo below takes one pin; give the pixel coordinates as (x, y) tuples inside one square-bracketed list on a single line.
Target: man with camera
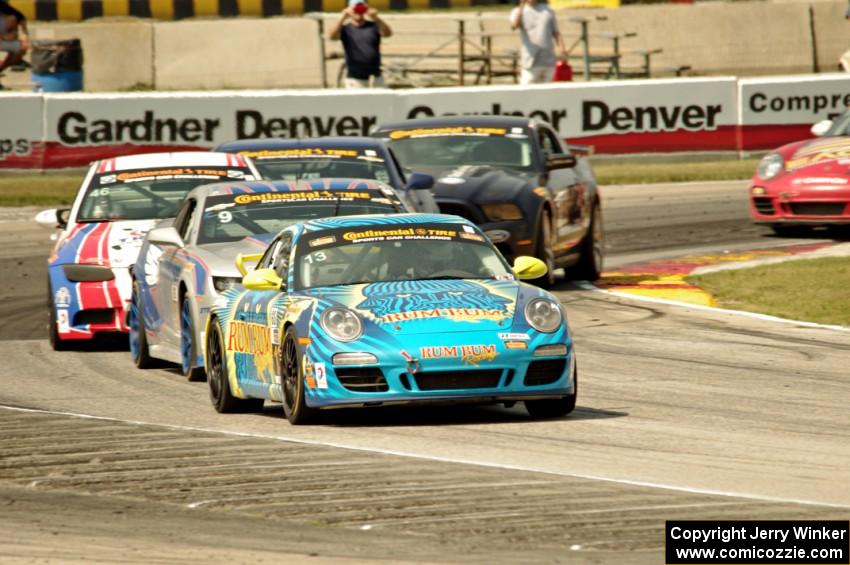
[(14, 38), (539, 34), (361, 41)]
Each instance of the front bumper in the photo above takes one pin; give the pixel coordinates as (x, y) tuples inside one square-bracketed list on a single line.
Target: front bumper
[(520, 233), (395, 379), (787, 207), (85, 309)]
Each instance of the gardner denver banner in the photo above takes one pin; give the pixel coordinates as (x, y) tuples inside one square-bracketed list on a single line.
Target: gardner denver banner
[(778, 110), (81, 128), (21, 131)]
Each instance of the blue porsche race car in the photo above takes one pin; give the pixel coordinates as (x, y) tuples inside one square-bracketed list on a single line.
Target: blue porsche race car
[(372, 310)]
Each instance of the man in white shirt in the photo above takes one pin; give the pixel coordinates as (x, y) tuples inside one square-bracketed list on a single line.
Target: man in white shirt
[(539, 34)]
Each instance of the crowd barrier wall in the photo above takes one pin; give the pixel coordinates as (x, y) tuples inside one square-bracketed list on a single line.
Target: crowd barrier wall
[(616, 117)]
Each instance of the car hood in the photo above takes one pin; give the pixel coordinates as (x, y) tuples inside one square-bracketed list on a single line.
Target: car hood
[(477, 183), (429, 306), (110, 244), (817, 152), (221, 257)]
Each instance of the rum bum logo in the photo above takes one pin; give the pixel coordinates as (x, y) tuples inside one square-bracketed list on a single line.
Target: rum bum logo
[(400, 301), (245, 337), (469, 354)]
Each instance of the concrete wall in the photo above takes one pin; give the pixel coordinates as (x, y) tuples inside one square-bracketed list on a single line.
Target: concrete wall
[(243, 53), (117, 55), (713, 38), (832, 33)]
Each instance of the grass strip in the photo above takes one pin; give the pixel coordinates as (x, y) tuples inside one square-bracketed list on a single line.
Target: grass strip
[(813, 290), (59, 189)]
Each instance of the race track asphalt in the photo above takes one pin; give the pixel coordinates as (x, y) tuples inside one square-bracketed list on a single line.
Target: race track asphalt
[(682, 414)]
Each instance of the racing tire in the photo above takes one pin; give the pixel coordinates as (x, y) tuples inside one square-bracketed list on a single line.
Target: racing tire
[(56, 342), (217, 377), (292, 382), (188, 346), (591, 250), (137, 338), (554, 407), (543, 251)]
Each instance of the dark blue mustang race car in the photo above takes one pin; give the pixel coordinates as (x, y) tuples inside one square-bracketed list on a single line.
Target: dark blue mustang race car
[(337, 157), (514, 177)]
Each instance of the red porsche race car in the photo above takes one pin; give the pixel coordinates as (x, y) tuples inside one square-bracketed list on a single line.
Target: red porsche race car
[(805, 183)]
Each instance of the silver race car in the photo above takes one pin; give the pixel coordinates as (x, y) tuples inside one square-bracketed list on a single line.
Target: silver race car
[(185, 263)]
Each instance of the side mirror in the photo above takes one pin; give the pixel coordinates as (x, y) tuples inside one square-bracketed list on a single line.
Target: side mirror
[(821, 128), (262, 279), (250, 257), (165, 236), (53, 218), (526, 267), (420, 181), (560, 161)]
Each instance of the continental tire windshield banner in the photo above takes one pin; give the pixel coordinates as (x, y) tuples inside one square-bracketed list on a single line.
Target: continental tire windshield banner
[(631, 116)]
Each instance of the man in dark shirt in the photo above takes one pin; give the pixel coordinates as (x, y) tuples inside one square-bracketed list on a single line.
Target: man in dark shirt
[(361, 41), (14, 39)]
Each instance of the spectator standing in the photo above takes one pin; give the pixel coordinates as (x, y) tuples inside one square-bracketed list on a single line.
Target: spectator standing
[(538, 31), (14, 38), (361, 41)]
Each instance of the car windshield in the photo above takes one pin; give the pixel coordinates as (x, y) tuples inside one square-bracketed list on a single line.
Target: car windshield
[(232, 217), (840, 126), (147, 194), (368, 254), (420, 149), (314, 163)]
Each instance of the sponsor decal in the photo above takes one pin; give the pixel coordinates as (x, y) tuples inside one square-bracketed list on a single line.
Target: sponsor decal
[(820, 180), (180, 172), (309, 378), (516, 345), (471, 236), (15, 147), (514, 336), (446, 131), (468, 229), (299, 152), (304, 196), (327, 240), (62, 321), (321, 376), (231, 174), (393, 302), (251, 338), (553, 116), (597, 115), (62, 297), (404, 233), (468, 354)]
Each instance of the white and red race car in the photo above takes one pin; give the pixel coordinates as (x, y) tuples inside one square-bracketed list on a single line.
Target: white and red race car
[(89, 283)]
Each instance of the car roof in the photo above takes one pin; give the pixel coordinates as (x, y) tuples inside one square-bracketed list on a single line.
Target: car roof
[(370, 220), (170, 159), (283, 143), (447, 121), (300, 185)]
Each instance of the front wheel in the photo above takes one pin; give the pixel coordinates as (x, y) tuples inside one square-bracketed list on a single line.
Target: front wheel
[(294, 406), (554, 407), (188, 349), (543, 251), (136, 324), (591, 251), (217, 376)]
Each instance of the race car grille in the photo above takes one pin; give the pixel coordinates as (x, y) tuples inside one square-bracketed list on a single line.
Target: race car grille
[(544, 371), (94, 316), (455, 380), (818, 208), (764, 206), (362, 380), (459, 209)]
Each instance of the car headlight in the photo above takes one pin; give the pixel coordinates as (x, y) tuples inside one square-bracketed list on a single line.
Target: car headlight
[(770, 166), (341, 324), (500, 212), (543, 315), (222, 284)]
